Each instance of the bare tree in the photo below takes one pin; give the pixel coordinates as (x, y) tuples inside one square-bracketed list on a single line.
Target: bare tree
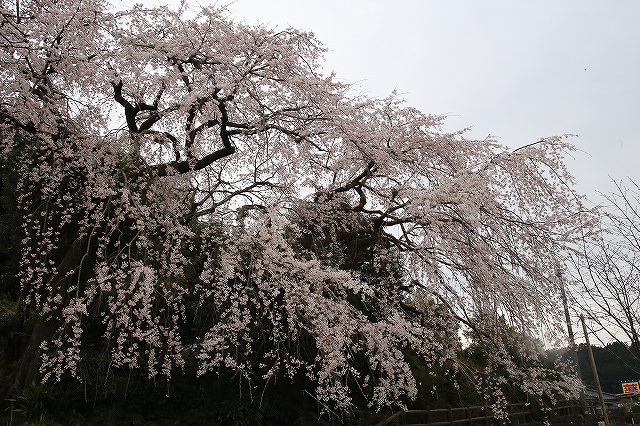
[(608, 275)]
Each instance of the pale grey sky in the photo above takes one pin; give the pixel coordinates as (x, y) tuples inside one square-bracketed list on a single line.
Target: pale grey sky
[(519, 70)]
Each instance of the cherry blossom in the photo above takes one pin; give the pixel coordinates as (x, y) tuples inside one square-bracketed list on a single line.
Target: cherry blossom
[(180, 170)]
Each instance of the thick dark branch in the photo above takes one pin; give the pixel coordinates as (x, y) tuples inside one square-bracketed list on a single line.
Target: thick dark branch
[(150, 121), (359, 180), (191, 136), (206, 125), (28, 127), (156, 101), (214, 156), (129, 110), (225, 151), (185, 166), (357, 183), (362, 199), (184, 77)]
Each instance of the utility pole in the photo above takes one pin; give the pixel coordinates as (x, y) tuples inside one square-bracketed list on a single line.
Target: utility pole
[(595, 373), (572, 341), (567, 316)]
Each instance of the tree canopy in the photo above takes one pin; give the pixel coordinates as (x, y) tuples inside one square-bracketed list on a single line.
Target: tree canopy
[(195, 190)]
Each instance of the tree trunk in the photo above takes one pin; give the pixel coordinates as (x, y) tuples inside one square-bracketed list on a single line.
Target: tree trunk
[(28, 370)]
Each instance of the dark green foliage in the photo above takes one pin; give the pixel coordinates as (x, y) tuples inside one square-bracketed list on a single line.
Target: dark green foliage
[(442, 386), (31, 404), (12, 327), (9, 232), (615, 364), (136, 400)]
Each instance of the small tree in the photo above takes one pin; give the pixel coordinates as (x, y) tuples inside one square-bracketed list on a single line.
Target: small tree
[(608, 272)]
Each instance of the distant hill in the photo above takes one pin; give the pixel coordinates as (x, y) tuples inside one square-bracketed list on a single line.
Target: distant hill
[(615, 364)]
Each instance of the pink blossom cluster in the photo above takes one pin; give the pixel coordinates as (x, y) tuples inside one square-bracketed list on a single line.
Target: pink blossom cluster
[(172, 164)]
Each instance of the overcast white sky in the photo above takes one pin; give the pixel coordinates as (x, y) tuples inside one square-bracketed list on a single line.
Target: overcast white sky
[(518, 70)]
